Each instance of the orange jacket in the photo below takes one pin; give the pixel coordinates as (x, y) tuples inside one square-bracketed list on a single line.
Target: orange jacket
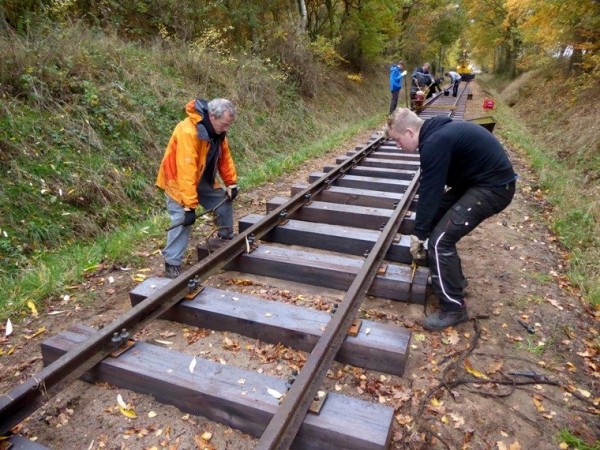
[(185, 159)]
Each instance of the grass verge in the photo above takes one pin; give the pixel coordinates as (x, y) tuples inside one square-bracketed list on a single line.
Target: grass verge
[(53, 273), (574, 213)]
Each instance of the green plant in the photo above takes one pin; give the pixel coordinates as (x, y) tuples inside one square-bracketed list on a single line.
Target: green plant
[(576, 443), (537, 348), (575, 214)]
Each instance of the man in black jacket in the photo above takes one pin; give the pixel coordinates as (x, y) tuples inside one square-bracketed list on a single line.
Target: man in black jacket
[(466, 177)]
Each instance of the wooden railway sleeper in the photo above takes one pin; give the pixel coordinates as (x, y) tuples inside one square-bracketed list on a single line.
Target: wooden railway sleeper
[(21, 401)]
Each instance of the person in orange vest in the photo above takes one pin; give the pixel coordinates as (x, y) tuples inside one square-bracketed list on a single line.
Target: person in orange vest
[(197, 151)]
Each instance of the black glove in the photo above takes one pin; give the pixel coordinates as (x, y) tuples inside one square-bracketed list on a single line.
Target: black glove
[(189, 218), (232, 192)]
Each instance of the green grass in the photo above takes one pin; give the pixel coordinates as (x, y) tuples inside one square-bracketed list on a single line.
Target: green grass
[(576, 443), (575, 213), (52, 272), (84, 121), (531, 345)]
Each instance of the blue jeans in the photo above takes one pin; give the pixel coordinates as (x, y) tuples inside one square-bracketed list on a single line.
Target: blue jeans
[(460, 212), (178, 238)]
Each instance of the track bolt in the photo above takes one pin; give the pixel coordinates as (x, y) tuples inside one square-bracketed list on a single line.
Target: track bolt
[(192, 285), (124, 335), (116, 340)]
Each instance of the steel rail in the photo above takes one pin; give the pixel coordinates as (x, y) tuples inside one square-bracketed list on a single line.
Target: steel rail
[(286, 422), (431, 102), (23, 400)]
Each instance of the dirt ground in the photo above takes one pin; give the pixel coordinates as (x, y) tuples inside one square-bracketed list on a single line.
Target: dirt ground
[(446, 400)]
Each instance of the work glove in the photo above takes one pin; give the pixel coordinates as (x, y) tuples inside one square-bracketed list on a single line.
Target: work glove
[(189, 218), (232, 192), (417, 249)]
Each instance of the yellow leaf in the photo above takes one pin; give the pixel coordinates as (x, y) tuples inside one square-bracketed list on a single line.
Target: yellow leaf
[(32, 307), (538, 404), (474, 372), (207, 436), (128, 412), (37, 333), (585, 393), (445, 420), (435, 402)]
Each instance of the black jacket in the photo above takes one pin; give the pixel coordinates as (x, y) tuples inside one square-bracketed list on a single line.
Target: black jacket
[(459, 155)]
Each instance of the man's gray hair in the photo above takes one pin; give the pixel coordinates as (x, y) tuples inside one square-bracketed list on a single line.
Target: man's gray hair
[(402, 119), (220, 106)]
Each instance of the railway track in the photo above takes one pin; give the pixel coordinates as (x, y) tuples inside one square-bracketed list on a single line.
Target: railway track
[(347, 229)]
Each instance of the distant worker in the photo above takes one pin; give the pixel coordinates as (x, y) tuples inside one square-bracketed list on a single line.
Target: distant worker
[(466, 177), (397, 72), (197, 151), (426, 80), (455, 79)]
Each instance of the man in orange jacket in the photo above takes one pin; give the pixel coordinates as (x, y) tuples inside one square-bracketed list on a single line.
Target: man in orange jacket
[(197, 151)]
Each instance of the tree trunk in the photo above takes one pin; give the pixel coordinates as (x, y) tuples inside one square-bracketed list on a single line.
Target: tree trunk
[(303, 15)]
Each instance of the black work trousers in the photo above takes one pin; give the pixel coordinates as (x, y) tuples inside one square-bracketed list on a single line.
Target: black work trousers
[(394, 101), (459, 213), (455, 85)]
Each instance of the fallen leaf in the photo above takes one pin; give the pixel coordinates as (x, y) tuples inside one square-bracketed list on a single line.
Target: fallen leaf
[(418, 337), (151, 414), (403, 419), (32, 307), (130, 413), (207, 436), (121, 402), (538, 404), (451, 338), (435, 402), (459, 421), (9, 328), (554, 303), (274, 393), (163, 342), (586, 394), (192, 365), (495, 366), (37, 333), (474, 372)]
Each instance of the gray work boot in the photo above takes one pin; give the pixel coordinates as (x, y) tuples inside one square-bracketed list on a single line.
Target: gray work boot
[(172, 271), (444, 319)]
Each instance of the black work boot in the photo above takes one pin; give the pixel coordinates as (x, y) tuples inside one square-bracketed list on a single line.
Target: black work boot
[(444, 319), (172, 271)]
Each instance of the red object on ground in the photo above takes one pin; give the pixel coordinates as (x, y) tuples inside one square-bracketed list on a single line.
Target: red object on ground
[(488, 103)]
